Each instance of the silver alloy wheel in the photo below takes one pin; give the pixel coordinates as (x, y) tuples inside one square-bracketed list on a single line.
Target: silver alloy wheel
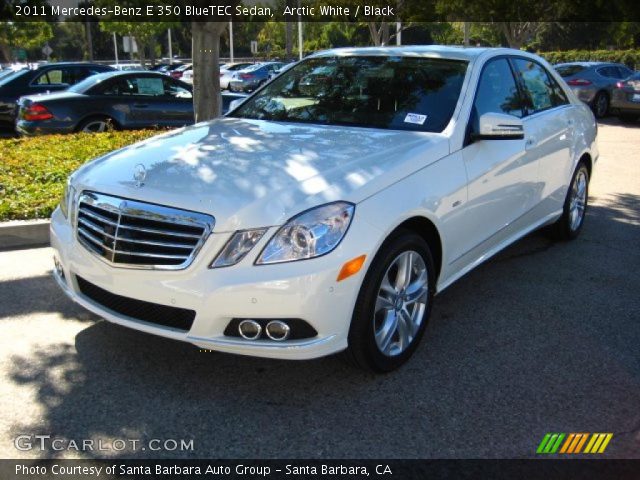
[(578, 200), (401, 303), (602, 105), (95, 126)]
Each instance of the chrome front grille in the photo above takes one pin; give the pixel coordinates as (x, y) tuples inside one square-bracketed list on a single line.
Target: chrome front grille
[(132, 234)]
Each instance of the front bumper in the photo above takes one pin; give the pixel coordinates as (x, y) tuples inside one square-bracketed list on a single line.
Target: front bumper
[(306, 289)]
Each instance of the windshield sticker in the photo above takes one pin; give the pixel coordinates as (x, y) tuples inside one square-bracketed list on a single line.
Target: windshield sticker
[(415, 118)]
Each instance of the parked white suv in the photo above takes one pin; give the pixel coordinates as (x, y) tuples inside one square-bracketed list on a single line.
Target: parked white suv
[(325, 212)]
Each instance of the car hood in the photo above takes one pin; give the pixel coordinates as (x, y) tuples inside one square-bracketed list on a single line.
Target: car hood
[(252, 173)]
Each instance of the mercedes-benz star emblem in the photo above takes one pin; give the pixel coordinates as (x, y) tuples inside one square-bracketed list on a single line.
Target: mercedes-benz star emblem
[(139, 175)]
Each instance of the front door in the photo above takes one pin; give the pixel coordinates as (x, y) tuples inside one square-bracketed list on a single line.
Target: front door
[(502, 174)]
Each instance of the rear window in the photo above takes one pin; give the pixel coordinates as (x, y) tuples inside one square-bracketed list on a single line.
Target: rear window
[(569, 70), (399, 93), (239, 66), (9, 77)]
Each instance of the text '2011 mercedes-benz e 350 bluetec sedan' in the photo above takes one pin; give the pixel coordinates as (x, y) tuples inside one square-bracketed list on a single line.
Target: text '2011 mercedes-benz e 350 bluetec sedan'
[(325, 212)]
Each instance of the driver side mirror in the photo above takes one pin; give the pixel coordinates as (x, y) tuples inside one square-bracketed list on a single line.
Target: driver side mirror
[(499, 126)]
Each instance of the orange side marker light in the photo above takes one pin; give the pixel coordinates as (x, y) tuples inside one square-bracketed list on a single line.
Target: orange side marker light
[(351, 267)]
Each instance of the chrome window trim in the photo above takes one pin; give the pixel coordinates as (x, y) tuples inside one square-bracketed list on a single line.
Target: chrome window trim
[(134, 208)]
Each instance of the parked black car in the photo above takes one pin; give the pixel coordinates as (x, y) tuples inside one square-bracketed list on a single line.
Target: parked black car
[(250, 78), (124, 100), (47, 78)]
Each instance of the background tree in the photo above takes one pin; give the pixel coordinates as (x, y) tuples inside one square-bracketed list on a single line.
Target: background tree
[(145, 33), (23, 35), (205, 55)]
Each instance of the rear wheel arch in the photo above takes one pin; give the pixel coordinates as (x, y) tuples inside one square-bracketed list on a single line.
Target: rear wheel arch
[(96, 116)]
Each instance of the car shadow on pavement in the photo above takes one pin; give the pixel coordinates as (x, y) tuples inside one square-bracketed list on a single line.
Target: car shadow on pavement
[(616, 122), (544, 337), (39, 294)]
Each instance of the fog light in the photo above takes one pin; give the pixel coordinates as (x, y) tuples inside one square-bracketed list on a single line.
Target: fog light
[(58, 267), (249, 329), (277, 330)]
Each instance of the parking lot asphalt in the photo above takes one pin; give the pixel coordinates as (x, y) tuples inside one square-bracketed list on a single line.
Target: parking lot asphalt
[(545, 337)]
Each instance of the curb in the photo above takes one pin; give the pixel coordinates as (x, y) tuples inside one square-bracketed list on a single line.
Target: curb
[(19, 234)]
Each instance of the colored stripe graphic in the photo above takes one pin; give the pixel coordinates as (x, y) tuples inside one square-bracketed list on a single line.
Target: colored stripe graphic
[(567, 443), (550, 443), (598, 442), (543, 443), (573, 443)]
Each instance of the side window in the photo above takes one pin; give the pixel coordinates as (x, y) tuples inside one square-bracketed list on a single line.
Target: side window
[(120, 87), (624, 72), (539, 90), (497, 92), (609, 72), (150, 86), (82, 73), (55, 76), (174, 90), (558, 97)]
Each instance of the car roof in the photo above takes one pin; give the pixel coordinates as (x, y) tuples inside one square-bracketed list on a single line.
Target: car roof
[(72, 64), (122, 73), (434, 51)]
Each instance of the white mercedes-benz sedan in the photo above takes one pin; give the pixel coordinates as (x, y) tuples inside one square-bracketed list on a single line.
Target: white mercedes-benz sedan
[(325, 212)]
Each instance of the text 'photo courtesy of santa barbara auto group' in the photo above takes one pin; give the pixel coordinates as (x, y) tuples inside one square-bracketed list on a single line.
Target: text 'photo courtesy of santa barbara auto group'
[(319, 239)]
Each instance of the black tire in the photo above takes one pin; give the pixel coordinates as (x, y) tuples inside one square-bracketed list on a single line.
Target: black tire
[(363, 350), (601, 105), (628, 117), (565, 228), (86, 124)]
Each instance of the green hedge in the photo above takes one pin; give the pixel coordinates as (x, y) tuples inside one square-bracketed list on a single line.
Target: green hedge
[(631, 58), (33, 169)]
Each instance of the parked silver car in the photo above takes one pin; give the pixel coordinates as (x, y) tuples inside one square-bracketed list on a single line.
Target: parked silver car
[(625, 101), (594, 82)]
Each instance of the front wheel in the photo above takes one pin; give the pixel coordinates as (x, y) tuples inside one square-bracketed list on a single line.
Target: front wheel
[(394, 304), (568, 226)]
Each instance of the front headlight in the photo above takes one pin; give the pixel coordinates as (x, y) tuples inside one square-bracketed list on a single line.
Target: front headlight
[(237, 247), (65, 200), (311, 234)]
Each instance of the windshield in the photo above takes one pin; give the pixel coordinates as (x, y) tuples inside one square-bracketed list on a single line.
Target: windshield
[(568, 70), (400, 93), (87, 83)]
